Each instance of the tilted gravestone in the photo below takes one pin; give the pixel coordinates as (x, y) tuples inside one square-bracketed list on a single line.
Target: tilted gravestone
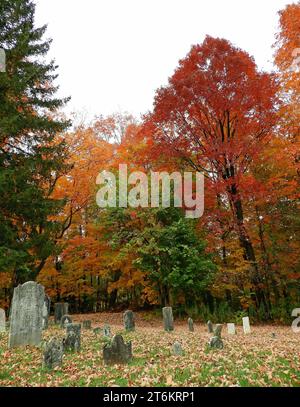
[(117, 351), (168, 319), (106, 331), (65, 320), (72, 340), (231, 329), (210, 327), (53, 354), (246, 325), (87, 324), (128, 319), (60, 309), (191, 325), (26, 316), (216, 341), (177, 349), (46, 311), (2, 320)]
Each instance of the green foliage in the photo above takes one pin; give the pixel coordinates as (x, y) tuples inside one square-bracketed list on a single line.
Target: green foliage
[(31, 159)]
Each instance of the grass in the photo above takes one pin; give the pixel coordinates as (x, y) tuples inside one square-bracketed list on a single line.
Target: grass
[(246, 360)]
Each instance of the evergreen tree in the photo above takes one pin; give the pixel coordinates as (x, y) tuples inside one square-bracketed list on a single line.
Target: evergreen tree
[(31, 156)]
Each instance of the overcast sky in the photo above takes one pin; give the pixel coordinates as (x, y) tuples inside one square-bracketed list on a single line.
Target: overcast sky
[(114, 54)]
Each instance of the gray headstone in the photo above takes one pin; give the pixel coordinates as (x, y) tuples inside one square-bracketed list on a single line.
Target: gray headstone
[(117, 351), (2, 320), (216, 341), (87, 324), (26, 318), (191, 325), (218, 330), (72, 340), (65, 320), (53, 354), (177, 349), (246, 325), (168, 319), (231, 329), (210, 327), (107, 331), (128, 319), (60, 309), (46, 311), (2, 60)]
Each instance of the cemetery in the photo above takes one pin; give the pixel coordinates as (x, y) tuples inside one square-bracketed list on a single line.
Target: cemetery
[(138, 348)]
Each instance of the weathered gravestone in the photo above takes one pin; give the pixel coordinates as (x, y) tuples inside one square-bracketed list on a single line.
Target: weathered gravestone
[(72, 340), (46, 311), (53, 354), (26, 316), (191, 325), (60, 309), (231, 329), (216, 341), (168, 319), (2, 320), (65, 320), (177, 349), (246, 325), (106, 331), (87, 324), (210, 327), (128, 319), (117, 351)]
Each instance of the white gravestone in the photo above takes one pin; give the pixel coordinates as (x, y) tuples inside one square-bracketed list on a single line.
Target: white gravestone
[(231, 329), (246, 325)]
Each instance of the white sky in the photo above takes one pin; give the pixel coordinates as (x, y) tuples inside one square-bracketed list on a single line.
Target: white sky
[(114, 54)]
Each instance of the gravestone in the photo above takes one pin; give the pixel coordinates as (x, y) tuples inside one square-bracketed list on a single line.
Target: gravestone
[(2, 320), (128, 319), (168, 319), (210, 327), (117, 351), (72, 340), (65, 320), (60, 309), (53, 354), (177, 349), (216, 341), (191, 325), (106, 331), (231, 329), (246, 325), (87, 324), (26, 315), (46, 311)]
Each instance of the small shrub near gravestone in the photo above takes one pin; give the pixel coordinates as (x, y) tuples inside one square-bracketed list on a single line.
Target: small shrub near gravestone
[(117, 352), (65, 320), (72, 341), (87, 324), (97, 331), (53, 354)]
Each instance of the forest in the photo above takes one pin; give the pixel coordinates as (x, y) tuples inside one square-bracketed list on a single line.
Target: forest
[(220, 115)]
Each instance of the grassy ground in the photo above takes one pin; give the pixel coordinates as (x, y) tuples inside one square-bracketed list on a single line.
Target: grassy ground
[(257, 359)]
